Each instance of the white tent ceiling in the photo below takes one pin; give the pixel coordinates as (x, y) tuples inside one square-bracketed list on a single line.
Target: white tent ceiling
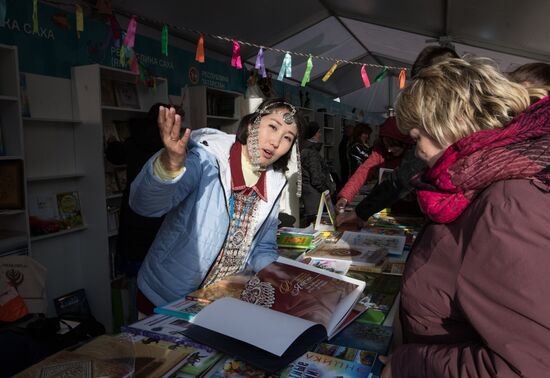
[(386, 32)]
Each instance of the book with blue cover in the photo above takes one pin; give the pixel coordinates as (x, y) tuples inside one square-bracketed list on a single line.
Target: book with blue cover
[(182, 309)]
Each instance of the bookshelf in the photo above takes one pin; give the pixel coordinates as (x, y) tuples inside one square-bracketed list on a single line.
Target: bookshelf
[(212, 107), (14, 226), (100, 109)]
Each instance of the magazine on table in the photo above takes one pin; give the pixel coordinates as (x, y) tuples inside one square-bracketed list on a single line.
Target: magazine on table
[(284, 309)]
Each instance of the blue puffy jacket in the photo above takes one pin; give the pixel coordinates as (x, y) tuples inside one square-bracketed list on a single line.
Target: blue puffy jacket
[(197, 218)]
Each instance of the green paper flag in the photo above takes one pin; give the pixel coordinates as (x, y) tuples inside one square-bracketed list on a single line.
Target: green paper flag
[(381, 75), (165, 40), (307, 74)]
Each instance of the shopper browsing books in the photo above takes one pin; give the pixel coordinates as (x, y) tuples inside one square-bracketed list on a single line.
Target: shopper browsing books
[(220, 195), (473, 299)]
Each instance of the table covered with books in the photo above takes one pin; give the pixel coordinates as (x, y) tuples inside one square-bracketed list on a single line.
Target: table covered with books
[(325, 308)]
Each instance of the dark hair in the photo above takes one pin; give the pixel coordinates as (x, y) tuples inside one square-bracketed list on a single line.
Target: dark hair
[(311, 129), (274, 103), (532, 75), (431, 55), (360, 129)]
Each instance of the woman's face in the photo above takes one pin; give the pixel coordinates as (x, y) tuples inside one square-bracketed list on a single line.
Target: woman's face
[(365, 138), (427, 149), (275, 136)]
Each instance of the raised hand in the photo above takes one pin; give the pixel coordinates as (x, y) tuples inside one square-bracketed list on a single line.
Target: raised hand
[(175, 148), (341, 205)]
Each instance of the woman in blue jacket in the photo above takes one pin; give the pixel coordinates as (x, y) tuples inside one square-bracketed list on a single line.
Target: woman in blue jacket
[(220, 194)]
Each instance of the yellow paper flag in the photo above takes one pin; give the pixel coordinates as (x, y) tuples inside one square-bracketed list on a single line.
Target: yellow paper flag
[(330, 71), (79, 20)]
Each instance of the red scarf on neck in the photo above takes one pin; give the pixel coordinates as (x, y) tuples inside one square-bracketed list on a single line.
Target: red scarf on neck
[(520, 150)]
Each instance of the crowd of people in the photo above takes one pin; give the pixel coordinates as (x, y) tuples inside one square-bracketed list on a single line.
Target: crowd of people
[(471, 143)]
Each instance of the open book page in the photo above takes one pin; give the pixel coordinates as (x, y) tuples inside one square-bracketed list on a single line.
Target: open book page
[(269, 330), (289, 298)]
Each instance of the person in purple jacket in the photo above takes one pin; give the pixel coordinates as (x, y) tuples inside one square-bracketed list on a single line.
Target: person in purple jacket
[(474, 298)]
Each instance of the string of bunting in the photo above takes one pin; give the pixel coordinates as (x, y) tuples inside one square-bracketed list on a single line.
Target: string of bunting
[(103, 7)]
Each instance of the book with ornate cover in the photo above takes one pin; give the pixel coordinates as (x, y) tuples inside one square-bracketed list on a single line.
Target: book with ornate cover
[(310, 302)]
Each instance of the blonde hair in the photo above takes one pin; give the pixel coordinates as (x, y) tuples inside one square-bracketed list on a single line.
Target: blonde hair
[(457, 97)]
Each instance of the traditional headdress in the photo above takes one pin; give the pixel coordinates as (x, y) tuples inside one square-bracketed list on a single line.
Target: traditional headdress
[(253, 140)]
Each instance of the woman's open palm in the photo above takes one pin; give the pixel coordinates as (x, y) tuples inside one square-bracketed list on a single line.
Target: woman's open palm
[(175, 147)]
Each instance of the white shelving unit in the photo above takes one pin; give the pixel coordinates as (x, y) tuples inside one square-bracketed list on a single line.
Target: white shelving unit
[(212, 107), (94, 113), (14, 226)]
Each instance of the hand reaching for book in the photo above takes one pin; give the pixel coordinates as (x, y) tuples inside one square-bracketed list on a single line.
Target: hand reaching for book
[(175, 147)]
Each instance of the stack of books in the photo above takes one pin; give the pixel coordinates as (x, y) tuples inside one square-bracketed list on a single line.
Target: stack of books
[(303, 238)]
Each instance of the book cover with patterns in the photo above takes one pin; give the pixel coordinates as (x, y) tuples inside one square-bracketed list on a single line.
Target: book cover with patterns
[(315, 365), (298, 292), (312, 303)]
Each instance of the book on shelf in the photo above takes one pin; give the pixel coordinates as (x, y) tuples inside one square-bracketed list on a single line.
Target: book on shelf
[(317, 365), (182, 308), (12, 193), (25, 106), (121, 178), (126, 94), (107, 92), (310, 302), (68, 205)]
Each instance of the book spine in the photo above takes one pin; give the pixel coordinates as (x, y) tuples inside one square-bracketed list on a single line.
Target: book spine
[(174, 313)]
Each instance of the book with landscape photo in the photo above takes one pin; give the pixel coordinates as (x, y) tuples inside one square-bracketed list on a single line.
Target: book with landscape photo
[(357, 254), (317, 365), (284, 309)]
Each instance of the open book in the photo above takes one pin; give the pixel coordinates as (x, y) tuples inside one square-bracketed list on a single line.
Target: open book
[(286, 308)]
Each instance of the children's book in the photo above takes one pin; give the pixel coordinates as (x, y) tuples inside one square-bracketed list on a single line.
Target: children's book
[(182, 308), (310, 302), (317, 365)]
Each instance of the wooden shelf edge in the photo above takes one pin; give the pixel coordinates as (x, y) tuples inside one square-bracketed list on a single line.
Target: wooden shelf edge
[(60, 233), (50, 120), (67, 176)]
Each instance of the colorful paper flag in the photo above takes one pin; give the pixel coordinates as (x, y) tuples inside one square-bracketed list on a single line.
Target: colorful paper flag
[(330, 71), (236, 58), (131, 33), (286, 67), (307, 74), (402, 78), (381, 75), (164, 41), (199, 56), (35, 16), (260, 65), (79, 20), (365, 77)]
